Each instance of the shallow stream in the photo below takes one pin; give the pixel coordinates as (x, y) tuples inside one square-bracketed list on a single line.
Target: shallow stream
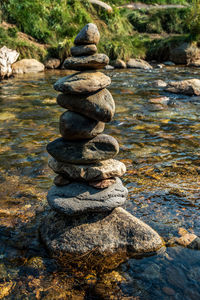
[(159, 143)]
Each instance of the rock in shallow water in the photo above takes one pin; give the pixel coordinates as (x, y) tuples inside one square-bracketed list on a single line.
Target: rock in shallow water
[(99, 237), (82, 83), (96, 61), (83, 50), (101, 170), (74, 126), (188, 87), (88, 35), (101, 147), (98, 106), (79, 198)]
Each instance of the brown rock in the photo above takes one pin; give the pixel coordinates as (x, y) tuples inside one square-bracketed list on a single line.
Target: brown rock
[(52, 63), (188, 87), (60, 180), (138, 64), (119, 64), (99, 106), (96, 61), (74, 126), (93, 172), (82, 83), (84, 50), (88, 35), (102, 184)]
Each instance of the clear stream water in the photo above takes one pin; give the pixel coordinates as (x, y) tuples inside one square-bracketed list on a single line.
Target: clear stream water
[(160, 147)]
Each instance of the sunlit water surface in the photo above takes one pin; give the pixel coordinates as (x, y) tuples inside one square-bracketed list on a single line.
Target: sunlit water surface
[(160, 147)]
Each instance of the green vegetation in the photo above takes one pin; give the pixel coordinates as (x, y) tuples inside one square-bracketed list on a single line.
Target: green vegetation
[(55, 23)]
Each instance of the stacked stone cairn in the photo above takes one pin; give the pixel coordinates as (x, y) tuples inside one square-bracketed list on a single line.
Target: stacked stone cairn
[(88, 194)]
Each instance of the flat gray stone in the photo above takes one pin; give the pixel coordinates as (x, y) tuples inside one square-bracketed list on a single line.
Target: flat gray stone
[(96, 61), (99, 148), (99, 106), (103, 240), (88, 35), (74, 126), (80, 198), (84, 50), (82, 83), (101, 170)]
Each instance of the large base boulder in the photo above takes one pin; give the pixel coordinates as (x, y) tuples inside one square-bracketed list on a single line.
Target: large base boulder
[(98, 241), (27, 66)]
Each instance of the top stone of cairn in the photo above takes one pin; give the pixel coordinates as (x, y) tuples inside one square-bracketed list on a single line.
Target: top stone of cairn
[(88, 35)]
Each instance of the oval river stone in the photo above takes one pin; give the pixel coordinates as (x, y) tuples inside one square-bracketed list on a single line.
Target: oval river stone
[(84, 50), (74, 126), (88, 35), (98, 171), (101, 147), (96, 61), (79, 198), (82, 83), (98, 106)]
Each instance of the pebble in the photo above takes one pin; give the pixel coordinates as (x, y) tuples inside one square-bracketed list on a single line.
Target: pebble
[(96, 61), (99, 148)]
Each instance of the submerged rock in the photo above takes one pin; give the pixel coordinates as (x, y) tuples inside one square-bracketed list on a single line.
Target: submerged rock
[(82, 83), (79, 198), (101, 170), (98, 106), (188, 87), (88, 35), (101, 147), (98, 240), (96, 61)]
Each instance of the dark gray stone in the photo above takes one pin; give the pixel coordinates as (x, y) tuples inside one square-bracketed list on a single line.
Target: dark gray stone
[(98, 106), (83, 50), (74, 126), (80, 198), (61, 180), (82, 83), (105, 240), (101, 147), (96, 61), (88, 35)]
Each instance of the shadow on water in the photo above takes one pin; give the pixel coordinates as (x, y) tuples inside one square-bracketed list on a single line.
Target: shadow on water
[(160, 147)]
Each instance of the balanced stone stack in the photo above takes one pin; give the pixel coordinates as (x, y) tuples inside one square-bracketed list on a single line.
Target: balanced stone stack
[(88, 192)]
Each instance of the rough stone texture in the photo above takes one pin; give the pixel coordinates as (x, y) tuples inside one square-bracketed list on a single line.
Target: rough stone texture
[(195, 64), (101, 147), (138, 64), (74, 126), (79, 198), (120, 64), (52, 63), (84, 50), (61, 180), (82, 83), (88, 35), (96, 61), (27, 66), (7, 58), (98, 236), (101, 170), (185, 53), (102, 5), (99, 106), (159, 83), (102, 184), (188, 87)]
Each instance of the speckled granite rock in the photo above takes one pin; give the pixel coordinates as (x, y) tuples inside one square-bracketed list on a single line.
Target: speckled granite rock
[(99, 148), (96, 61), (98, 106), (79, 198)]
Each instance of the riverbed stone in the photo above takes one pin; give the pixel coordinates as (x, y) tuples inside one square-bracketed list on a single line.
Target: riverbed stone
[(83, 50), (52, 63), (82, 83), (120, 64), (74, 126), (101, 147), (138, 64), (99, 106), (98, 171), (88, 35), (100, 237), (96, 61), (27, 66), (79, 198), (188, 87)]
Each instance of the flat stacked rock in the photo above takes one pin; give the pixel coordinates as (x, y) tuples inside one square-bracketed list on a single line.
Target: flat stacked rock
[(87, 185)]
